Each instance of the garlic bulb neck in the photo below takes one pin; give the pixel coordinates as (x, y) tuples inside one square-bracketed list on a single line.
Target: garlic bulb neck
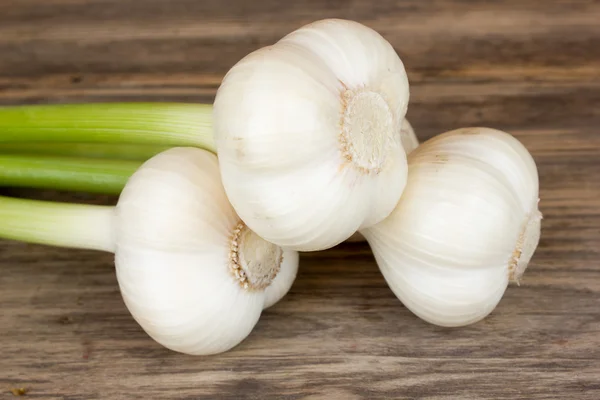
[(526, 245), (367, 129), (254, 261)]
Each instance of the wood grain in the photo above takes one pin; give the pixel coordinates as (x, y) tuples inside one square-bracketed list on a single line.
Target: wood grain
[(531, 68)]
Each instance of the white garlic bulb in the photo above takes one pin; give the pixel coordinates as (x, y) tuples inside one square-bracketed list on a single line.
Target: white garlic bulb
[(307, 134), (466, 224), (191, 273)]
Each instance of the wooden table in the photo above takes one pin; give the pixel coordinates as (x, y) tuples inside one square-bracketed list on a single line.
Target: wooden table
[(530, 68)]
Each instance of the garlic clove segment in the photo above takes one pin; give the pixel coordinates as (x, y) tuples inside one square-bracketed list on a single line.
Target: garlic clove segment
[(410, 142), (284, 279), (467, 224), (408, 137), (191, 273), (307, 134)]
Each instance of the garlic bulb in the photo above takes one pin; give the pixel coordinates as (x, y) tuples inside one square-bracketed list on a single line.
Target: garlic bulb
[(306, 132), (409, 142), (191, 273), (466, 224)]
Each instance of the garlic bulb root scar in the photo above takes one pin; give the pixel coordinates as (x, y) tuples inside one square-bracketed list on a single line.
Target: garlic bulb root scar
[(254, 262), (367, 128)]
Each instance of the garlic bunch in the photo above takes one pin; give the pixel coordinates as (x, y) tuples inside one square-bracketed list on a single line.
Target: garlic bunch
[(191, 273), (467, 224), (307, 134)]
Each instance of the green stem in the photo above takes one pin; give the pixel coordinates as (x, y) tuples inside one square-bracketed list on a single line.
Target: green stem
[(57, 224), (167, 124), (138, 152), (66, 173)]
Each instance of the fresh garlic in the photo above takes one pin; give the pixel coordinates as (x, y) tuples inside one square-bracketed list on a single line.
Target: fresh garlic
[(306, 132), (191, 273), (409, 142), (467, 224)]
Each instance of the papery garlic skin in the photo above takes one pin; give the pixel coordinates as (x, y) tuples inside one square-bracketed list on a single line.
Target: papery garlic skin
[(306, 132), (179, 244), (466, 224)]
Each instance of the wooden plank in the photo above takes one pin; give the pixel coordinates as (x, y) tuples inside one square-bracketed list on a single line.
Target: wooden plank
[(527, 67)]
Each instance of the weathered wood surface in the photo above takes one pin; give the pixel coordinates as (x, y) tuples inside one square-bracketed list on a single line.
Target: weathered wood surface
[(531, 68)]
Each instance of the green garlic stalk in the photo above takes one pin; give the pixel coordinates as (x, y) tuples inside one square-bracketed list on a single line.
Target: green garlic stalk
[(165, 124), (123, 151), (66, 173)]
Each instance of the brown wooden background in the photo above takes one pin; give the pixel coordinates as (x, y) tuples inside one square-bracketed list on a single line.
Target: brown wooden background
[(529, 67)]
